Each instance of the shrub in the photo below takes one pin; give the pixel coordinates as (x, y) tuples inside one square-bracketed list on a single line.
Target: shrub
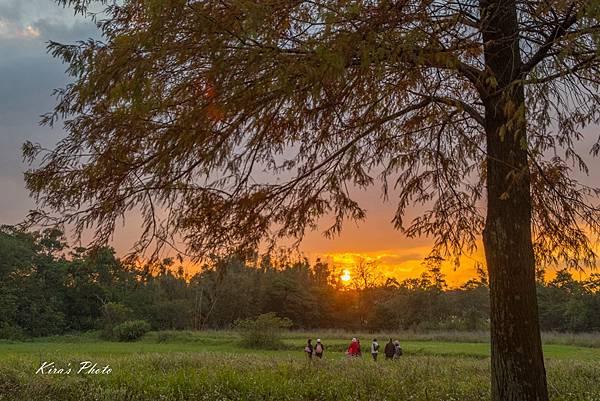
[(11, 332), (130, 330), (264, 331), (114, 314)]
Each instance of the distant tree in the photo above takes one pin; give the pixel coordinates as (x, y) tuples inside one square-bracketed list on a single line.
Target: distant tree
[(250, 120), (593, 283), (471, 303), (93, 289), (85, 291), (322, 273), (433, 273), (17, 253), (567, 304), (366, 276), (32, 281), (480, 281), (288, 294)]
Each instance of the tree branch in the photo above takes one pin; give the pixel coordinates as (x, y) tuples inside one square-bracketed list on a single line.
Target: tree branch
[(559, 31), (459, 104)]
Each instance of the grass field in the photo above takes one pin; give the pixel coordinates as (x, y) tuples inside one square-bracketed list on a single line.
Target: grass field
[(212, 366)]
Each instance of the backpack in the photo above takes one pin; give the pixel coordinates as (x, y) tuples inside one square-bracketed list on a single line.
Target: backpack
[(319, 349), (376, 346)]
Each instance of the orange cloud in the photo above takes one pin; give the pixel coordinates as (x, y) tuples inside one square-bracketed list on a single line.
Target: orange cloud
[(10, 30)]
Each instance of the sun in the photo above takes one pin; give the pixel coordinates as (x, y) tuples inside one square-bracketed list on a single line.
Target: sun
[(346, 276)]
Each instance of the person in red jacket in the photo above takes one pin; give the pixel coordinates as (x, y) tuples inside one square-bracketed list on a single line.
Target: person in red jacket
[(354, 348)]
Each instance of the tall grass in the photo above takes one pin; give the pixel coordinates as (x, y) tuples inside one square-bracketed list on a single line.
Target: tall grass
[(591, 340), (210, 365), (225, 376), (578, 339)]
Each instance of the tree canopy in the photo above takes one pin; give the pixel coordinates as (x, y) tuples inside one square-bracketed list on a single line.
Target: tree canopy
[(251, 120)]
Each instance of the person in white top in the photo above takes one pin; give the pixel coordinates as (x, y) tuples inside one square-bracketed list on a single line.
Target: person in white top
[(374, 349), (319, 349)]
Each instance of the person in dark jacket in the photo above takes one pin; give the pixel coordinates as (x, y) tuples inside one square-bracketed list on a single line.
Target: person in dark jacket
[(309, 349), (389, 350)]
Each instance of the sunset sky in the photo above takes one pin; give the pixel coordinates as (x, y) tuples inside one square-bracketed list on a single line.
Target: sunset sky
[(28, 76)]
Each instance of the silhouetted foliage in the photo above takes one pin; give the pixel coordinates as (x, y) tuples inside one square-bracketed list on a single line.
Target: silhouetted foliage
[(49, 293)]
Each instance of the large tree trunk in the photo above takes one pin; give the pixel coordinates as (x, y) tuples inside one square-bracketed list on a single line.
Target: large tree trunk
[(518, 371)]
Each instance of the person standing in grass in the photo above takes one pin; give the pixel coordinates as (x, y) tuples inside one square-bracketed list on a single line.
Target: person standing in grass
[(319, 349), (389, 350), (374, 349), (398, 349), (309, 349), (353, 348)]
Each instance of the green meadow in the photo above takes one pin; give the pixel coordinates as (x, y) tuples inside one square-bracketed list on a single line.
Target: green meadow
[(213, 366)]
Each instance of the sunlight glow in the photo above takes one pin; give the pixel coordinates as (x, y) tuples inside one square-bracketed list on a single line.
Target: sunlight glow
[(400, 264), (346, 276)]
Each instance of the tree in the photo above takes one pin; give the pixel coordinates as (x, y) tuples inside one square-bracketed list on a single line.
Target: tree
[(32, 281), (365, 277), (433, 264), (250, 120)]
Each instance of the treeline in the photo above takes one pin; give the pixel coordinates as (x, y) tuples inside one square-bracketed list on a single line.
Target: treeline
[(47, 288)]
